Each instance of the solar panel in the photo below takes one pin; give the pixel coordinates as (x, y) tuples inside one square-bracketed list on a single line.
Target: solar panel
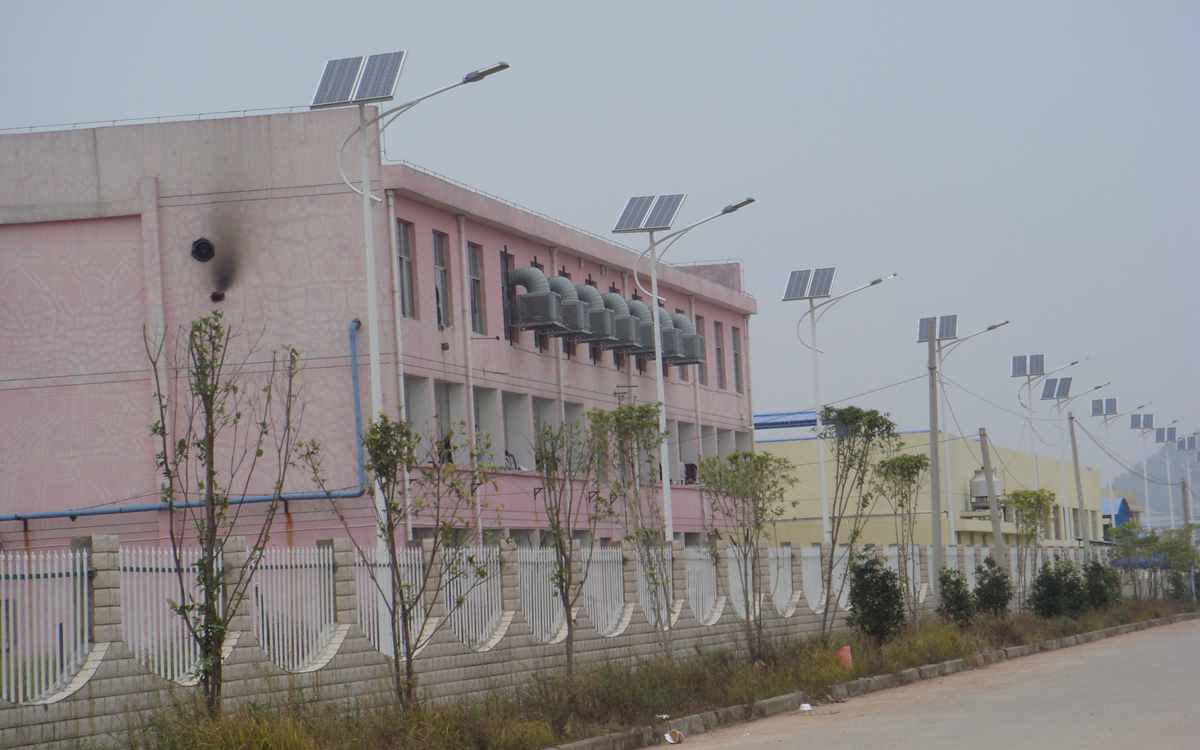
[(1110, 407), (797, 287), (1160, 435), (379, 77), (337, 82), (1170, 434), (923, 327), (1048, 389), (663, 214), (1020, 366), (1097, 407), (634, 213), (1037, 365), (822, 282), (947, 327), (1064, 389), (1135, 421), (1147, 421)]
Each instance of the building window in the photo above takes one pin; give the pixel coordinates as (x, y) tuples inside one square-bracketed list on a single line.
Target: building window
[(641, 365), (541, 341), (441, 278), (735, 335), (405, 251), (475, 258), (594, 353), (619, 360), (719, 346), (569, 348), (702, 369)]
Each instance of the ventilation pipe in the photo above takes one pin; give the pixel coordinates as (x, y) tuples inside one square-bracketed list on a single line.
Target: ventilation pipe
[(625, 325), (539, 309), (672, 338), (638, 309), (574, 313), (600, 319), (693, 343)]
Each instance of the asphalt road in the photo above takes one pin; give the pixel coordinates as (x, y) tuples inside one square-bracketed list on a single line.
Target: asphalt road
[(1138, 691)]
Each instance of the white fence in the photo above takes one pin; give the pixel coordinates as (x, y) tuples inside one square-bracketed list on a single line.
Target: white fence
[(779, 569), (373, 581), (604, 588), (540, 600), (45, 624), (740, 571), (811, 578), (151, 624), (654, 585), (474, 592), (292, 603), (701, 582)]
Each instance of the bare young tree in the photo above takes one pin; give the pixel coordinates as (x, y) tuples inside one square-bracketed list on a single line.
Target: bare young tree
[(441, 496), (567, 458), (211, 440), (628, 440), (1031, 511), (746, 494), (859, 436), (897, 481)]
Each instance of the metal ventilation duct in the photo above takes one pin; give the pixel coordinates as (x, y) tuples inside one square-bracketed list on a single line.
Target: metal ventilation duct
[(645, 326), (693, 343), (672, 339), (601, 320), (539, 309), (574, 313), (625, 326)]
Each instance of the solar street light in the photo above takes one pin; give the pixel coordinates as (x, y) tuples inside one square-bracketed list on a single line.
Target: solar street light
[(815, 286), (650, 214)]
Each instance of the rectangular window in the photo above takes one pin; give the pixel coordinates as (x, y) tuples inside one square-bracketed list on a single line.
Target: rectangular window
[(641, 365), (719, 347), (475, 258), (405, 251), (735, 335), (702, 369), (619, 360), (594, 353), (441, 278), (569, 348)]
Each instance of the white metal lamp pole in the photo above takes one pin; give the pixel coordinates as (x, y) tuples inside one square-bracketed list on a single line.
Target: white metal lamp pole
[(813, 316), (664, 452)]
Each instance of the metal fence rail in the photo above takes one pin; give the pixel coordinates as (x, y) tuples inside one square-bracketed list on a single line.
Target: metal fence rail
[(372, 576), (604, 588), (701, 582), (292, 603), (151, 624), (537, 568), (654, 586), (779, 570), (45, 621), (474, 592)]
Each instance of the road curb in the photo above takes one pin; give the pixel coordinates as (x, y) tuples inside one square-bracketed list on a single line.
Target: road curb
[(647, 736)]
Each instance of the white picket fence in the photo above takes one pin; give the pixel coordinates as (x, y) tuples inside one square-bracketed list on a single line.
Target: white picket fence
[(292, 603), (540, 600), (474, 592), (701, 582), (151, 625), (811, 579), (604, 588), (373, 582), (45, 621), (779, 576), (654, 590)]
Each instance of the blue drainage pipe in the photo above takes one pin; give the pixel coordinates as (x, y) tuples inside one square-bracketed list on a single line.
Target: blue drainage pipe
[(358, 491)]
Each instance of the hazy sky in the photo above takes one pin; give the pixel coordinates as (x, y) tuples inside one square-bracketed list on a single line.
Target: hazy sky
[(1032, 161)]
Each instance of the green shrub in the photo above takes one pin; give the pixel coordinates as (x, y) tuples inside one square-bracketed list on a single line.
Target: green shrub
[(1103, 584), (993, 588), (958, 603), (1177, 587), (1058, 591), (876, 602)]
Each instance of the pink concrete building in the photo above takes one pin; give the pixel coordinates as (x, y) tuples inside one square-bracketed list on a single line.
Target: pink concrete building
[(96, 232)]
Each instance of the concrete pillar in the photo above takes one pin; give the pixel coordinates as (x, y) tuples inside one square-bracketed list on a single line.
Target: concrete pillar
[(234, 560), (345, 558), (106, 588)]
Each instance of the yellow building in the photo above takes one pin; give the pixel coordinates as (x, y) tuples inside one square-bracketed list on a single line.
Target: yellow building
[(965, 516)]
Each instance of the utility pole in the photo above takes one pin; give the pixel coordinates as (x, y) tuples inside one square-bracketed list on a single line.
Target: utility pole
[(1191, 535), (1084, 521), (935, 481), (993, 503)]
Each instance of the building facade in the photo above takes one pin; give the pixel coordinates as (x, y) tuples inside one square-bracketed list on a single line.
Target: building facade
[(97, 228), (966, 519)]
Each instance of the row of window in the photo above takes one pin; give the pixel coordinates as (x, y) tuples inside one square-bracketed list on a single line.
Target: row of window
[(443, 307)]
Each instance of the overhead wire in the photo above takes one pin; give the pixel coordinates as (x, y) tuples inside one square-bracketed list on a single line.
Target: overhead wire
[(1121, 462)]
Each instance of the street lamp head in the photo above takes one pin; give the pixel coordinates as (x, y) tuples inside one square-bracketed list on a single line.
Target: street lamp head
[(478, 75), (881, 279), (994, 326), (735, 206)]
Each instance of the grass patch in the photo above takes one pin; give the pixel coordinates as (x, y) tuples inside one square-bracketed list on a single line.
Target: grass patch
[(553, 708)]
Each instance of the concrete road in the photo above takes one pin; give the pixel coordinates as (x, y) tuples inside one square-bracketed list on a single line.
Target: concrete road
[(1139, 691)]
